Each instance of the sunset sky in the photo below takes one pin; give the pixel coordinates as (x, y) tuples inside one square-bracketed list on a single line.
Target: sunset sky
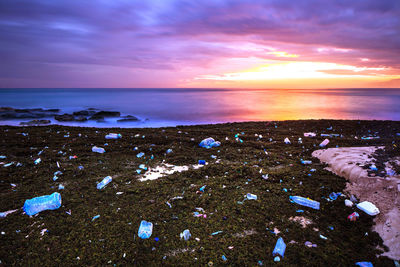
[(205, 44)]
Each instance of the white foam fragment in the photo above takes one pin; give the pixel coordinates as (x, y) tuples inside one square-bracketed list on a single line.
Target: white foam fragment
[(164, 170)]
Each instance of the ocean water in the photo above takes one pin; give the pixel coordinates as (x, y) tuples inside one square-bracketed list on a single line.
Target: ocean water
[(171, 107)]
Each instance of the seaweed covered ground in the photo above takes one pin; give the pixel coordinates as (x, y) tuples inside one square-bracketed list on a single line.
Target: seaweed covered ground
[(69, 237)]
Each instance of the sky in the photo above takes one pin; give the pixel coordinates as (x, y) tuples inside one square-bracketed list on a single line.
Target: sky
[(200, 44)]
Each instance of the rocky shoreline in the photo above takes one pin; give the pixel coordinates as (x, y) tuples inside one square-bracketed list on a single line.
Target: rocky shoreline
[(40, 116)]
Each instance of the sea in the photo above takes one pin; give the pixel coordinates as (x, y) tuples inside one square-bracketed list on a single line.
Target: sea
[(171, 107)]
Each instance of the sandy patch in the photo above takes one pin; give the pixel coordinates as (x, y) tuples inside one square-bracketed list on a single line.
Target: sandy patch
[(165, 169), (381, 191)]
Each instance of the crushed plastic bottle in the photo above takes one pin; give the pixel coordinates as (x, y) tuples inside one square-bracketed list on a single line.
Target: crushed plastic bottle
[(306, 162), (104, 182), (279, 250), (145, 229), (324, 143), (209, 143), (113, 136), (98, 149), (185, 235), (250, 196), (139, 155), (38, 204), (305, 202)]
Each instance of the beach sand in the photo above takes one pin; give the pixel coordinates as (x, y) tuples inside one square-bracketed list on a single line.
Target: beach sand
[(384, 192), (249, 229)]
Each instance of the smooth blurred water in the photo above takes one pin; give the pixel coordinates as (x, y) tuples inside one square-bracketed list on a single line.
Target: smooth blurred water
[(170, 107)]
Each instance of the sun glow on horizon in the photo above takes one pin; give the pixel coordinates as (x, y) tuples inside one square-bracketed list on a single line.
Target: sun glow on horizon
[(301, 70)]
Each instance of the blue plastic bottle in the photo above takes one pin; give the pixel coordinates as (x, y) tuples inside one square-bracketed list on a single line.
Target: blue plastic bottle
[(103, 183), (38, 204), (145, 229), (305, 202), (279, 249)]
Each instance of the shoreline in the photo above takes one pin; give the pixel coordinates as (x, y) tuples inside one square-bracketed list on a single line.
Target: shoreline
[(248, 152)]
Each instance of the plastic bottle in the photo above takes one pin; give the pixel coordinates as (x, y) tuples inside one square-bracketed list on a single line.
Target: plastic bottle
[(185, 234), (113, 136), (104, 182), (98, 149), (250, 196), (145, 229), (324, 143), (305, 202), (306, 162), (38, 204), (279, 249)]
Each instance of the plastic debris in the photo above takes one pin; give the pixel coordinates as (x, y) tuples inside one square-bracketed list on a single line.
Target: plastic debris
[(224, 258), (95, 217), (324, 143), (216, 233), (279, 250), (323, 237), (364, 264), (145, 229), (305, 202), (37, 161), (310, 134), (185, 235), (250, 196), (353, 217), (334, 196), (169, 205), (348, 203), (209, 143), (98, 149), (61, 187), (373, 167), (169, 150), (139, 155), (38, 204), (104, 182), (287, 141), (113, 136), (306, 162), (202, 188), (5, 213), (368, 208), (202, 162)]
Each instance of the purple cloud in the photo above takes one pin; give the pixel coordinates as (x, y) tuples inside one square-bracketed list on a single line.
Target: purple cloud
[(51, 43)]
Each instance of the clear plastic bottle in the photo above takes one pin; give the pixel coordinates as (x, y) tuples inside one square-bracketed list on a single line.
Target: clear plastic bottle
[(145, 229), (38, 204), (98, 149), (305, 202), (104, 182), (185, 234), (324, 143), (279, 249)]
